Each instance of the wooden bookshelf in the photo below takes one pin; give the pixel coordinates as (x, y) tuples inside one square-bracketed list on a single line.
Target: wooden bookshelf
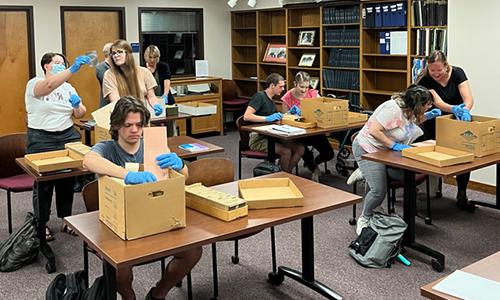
[(244, 51)]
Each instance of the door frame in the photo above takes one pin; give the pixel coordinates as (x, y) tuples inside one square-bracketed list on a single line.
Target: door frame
[(121, 16), (31, 33)]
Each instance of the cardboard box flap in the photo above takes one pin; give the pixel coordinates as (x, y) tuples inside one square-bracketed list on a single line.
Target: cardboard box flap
[(103, 114)]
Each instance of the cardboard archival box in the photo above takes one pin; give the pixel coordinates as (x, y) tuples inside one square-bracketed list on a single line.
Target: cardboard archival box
[(326, 112), (481, 136), (297, 121), (171, 110), (438, 156), (69, 158), (270, 192), (135, 211), (197, 108), (354, 117), (102, 118)]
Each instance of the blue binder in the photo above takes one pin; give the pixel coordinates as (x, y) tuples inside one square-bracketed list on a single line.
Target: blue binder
[(386, 16), (385, 42), (378, 16), (393, 15), (401, 14)]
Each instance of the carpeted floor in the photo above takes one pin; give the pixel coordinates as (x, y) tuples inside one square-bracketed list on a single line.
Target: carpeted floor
[(463, 237)]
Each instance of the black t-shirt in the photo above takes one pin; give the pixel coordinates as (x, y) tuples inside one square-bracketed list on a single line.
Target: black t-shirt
[(162, 73), (449, 93), (262, 104)]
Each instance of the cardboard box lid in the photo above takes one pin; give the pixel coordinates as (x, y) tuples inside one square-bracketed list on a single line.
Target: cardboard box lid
[(102, 115), (268, 189)]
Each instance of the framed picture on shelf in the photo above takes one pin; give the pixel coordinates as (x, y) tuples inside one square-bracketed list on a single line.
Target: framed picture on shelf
[(307, 60), (177, 38), (275, 53), (313, 82), (306, 38), (178, 54)]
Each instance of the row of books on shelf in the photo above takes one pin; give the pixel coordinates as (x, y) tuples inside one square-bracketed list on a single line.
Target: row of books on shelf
[(393, 42), (339, 15), (430, 12), (384, 15), (342, 37), (347, 58), (341, 79), (428, 40)]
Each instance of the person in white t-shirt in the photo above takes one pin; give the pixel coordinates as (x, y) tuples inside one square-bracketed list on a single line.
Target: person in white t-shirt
[(393, 125), (51, 103)]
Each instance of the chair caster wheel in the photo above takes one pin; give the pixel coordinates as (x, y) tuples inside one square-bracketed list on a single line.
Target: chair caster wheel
[(352, 221), (275, 278), (428, 221), (437, 265), (235, 259)]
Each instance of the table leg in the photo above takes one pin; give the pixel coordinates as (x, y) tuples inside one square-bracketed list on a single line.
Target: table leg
[(307, 276), (271, 154), (410, 207), (109, 280), (46, 250), (87, 134), (497, 202), (188, 127)]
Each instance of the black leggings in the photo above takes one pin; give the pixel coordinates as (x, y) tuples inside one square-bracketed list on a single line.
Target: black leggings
[(320, 143)]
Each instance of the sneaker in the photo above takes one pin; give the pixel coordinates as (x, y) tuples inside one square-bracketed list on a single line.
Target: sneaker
[(362, 223), (355, 177), (315, 175)]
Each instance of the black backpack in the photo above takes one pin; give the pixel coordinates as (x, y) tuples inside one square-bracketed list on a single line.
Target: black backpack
[(264, 168), (96, 291), (67, 287), (21, 247)]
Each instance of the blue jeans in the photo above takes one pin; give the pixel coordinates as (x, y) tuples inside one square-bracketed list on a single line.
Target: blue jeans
[(375, 175)]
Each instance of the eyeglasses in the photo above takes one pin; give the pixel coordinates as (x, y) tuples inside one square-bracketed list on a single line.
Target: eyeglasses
[(117, 52)]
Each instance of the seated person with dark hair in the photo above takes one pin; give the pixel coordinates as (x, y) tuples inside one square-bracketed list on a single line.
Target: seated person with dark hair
[(262, 109), (109, 157)]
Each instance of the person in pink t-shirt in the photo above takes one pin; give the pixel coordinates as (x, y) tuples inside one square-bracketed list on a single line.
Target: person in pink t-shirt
[(291, 104)]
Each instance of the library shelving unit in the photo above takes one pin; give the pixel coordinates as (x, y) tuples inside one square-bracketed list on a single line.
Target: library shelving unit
[(244, 51), (340, 50), (301, 20)]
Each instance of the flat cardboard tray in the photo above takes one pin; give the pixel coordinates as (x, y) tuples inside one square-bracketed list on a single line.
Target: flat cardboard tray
[(270, 193), (297, 121), (78, 147), (354, 117), (215, 203), (197, 108), (54, 160), (438, 156)]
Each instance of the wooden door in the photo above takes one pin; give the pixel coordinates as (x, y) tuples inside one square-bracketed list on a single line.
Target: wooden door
[(86, 29), (16, 65)]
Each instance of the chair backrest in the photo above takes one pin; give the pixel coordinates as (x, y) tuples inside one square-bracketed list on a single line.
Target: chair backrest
[(90, 194), (244, 135), (210, 171), (12, 146), (229, 90)]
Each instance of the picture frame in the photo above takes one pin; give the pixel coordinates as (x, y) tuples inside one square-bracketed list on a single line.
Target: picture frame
[(313, 82), (178, 54), (306, 38), (177, 38), (275, 53), (307, 59)]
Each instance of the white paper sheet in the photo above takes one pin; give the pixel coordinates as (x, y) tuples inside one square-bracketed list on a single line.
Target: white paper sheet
[(468, 286)]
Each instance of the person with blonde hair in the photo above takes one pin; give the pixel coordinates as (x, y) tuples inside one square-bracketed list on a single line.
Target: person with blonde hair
[(100, 70), (125, 78), (291, 103), (452, 94)]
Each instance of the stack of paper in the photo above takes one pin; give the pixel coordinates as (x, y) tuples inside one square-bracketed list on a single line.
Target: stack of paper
[(287, 129)]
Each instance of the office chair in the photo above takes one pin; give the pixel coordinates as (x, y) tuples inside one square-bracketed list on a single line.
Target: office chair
[(12, 177), (244, 147), (230, 100)]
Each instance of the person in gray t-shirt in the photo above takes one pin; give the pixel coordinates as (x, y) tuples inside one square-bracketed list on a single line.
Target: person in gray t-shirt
[(109, 158)]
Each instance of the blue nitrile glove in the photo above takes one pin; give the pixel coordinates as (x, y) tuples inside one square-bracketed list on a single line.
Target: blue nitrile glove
[(139, 177), (165, 98), (466, 115), (274, 117), (169, 160), (399, 147), (458, 111), (75, 100), (431, 114), (79, 61), (295, 110), (158, 109)]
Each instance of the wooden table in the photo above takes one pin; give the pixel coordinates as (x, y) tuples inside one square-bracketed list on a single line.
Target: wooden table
[(487, 267), (83, 125), (175, 141), (410, 167), (203, 230), (272, 136)]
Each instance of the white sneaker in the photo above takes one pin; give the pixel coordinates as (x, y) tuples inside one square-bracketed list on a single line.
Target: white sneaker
[(315, 175), (355, 177), (362, 223)]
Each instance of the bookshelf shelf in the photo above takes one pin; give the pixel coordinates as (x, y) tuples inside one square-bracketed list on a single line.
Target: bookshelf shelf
[(340, 68), (273, 35), (272, 64), (244, 28), (245, 46), (379, 92), (244, 62), (348, 47), (385, 70), (430, 27), (341, 90), (303, 27), (245, 79), (304, 48), (383, 55), (340, 24)]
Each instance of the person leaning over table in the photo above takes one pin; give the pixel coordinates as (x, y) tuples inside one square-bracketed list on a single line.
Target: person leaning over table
[(109, 158), (291, 104), (162, 75), (393, 125), (51, 103), (452, 94), (124, 78), (261, 108)]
